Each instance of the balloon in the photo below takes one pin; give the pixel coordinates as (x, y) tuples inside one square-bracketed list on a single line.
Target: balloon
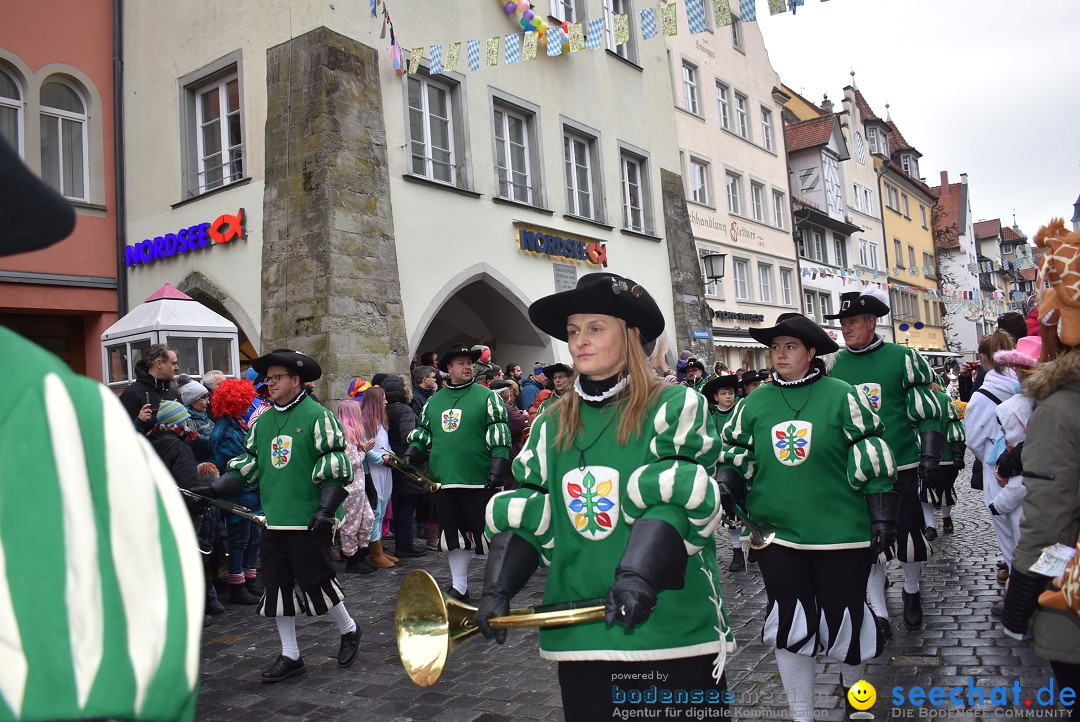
[(566, 27), (510, 7), (525, 23), (528, 15), (523, 5)]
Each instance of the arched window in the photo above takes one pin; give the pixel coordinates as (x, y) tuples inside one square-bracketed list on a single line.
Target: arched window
[(10, 111), (64, 163)]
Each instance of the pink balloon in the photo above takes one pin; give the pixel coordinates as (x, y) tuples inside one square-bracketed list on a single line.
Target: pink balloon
[(523, 6)]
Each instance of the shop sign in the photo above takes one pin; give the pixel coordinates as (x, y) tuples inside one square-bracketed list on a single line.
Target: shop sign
[(592, 252), (733, 316), (223, 229), (698, 333)]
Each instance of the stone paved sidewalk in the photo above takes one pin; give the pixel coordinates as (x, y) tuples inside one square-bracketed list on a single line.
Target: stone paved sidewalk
[(485, 682)]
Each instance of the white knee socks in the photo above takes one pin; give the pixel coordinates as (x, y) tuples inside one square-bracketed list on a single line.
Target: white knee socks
[(459, 569), (851, 673), (912, 574), (736, 538), (344, 622), (875, 590), (946, 512), (797, 674), (286, 629), (928, 514)]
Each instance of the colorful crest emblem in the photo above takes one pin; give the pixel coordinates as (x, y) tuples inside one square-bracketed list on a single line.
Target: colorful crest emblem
[(451, 420), (280, 451), (791, 441), (592, 500), (873, 392)]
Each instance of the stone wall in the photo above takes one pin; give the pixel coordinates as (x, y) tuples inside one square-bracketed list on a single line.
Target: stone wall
[(687, 289), (330, 284)]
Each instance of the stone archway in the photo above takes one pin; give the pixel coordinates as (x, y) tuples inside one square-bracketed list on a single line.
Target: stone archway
[(203, 290)]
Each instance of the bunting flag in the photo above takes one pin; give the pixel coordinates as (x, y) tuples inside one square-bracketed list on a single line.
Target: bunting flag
[(512, 48), (493, 51), (395, 56), (554, 42), (722, 10), (414, 61), (529, 50), (452, 53), (577, 37), (695, 16), (669, 20), (777, 6), (648, 22), (474, 55), (594, 36), (622, 29), (794, 4), (748, 11), (435, 56)]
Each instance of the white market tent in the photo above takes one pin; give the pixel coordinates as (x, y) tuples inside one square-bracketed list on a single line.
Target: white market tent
[(203, 339)]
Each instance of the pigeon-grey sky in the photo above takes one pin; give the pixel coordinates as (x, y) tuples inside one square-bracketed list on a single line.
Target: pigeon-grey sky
[(986, 87)]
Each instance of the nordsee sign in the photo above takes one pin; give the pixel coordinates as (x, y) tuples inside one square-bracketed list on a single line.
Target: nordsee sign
[(545, 243), (223, 229)]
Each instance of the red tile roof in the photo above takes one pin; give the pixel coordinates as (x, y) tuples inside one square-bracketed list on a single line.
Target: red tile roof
[(1008, 234), (864, 107), (988, 229), (809, 133), (946, 214)]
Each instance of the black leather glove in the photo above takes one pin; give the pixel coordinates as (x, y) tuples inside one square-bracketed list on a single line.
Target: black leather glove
[(654, 560), (203, 490), (884, 509), (226, 486), (414, 457), (732, 489), (1021, 599), (1009, 464), (931, 445), (330, 498), (498, 473), (511, 561), (959, 449)]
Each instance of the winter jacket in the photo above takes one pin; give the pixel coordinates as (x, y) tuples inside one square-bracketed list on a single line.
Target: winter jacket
[(1052, 506), (1032, 321), (420, 395), (517, 420), (136, 395), (201, 446), (530, 387), (983, 431), (402, 420)]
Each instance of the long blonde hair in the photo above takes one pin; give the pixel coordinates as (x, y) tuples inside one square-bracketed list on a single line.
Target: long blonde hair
[(643, 389)]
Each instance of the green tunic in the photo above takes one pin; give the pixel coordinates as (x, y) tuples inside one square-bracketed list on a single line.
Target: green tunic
[(101, 581), (288, 456), (462, 429), (581, 522), (809, 454), (950, 425), (896, 379)]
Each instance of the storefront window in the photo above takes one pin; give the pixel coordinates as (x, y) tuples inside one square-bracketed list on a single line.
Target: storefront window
[(187, 354), (217, 354)]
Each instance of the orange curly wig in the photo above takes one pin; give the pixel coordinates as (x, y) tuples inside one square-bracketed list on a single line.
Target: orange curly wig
[(232, 398)]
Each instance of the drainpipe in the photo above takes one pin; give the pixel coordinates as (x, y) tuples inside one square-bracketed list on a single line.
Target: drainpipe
[(885, 241), (118, 156)]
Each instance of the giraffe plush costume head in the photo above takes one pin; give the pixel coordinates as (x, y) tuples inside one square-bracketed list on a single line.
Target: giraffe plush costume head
[(1059, 305)]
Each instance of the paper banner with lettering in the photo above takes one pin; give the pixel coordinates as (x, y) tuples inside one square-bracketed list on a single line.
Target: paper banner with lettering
[(594, 37), (493, 51), (512, 48), (435, 55), (554, 41), (414, 61), (722, 10), (474, 55), (577, 37), (669, 20), (622, 29), (695, 16), (528, 52), (452, 53), (747, 11), (777, 6), (648, 23)]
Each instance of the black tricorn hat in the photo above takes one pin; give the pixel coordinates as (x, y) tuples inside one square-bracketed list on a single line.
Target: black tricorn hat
[(606, 293), (715, 383), (858, 303), (800, 327), (459, 349), (549, 371), (695, 363), (301, 364), (32, 214), (752, 377)]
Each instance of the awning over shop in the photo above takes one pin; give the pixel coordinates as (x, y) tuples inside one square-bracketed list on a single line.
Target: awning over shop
[(813, 215), (736, 342)]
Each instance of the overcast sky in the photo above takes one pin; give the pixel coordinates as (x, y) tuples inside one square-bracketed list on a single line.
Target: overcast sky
[(990, 88)]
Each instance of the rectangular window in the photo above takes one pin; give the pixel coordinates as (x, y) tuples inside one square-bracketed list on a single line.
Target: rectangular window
[(787, 286), (825, 305), (757, 201), (810, 304), (431, 130), (742, 280), (578, 168), (632, 196), (212, 113), (817, 246), (734, 195), (699, 182), (512, 155), (872, 139), (690, 87), (779, 209), (723, 104), (928, 266), (766, 128), (736, 33), (922, 215), (840, 250), (742, 115), (892, 197), (911, 256), (868, 202), (612, 8), (904, 203), (564, 11), (898, 253), (868, 251), (926, 311), (765, 294)]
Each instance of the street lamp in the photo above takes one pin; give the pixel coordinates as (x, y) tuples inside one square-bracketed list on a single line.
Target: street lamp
[(714, 266)]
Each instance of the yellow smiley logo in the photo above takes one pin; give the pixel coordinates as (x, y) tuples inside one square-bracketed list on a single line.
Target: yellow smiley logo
[(862, 695)]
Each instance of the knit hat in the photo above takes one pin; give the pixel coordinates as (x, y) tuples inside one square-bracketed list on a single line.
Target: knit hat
[(357, 387), (377, 379), (172, 413), (192, 391)]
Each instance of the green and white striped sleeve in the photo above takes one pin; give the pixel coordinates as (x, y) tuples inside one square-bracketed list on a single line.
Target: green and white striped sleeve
[(675, 484), (420, 437), (332, 465), (527, 511), (871, 468), (923, 410), (497, 436), (245, 467), (954, 425), (737, 444)]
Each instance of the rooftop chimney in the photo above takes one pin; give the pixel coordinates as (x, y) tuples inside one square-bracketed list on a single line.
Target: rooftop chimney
[(963, 178), (944, 182), (826, 104)]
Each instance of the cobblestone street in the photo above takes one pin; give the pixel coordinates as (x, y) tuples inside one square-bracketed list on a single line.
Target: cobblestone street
[(959, 639)]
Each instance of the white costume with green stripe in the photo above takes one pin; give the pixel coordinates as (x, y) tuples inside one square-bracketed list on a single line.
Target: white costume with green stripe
[(578, 508), (101, 584)]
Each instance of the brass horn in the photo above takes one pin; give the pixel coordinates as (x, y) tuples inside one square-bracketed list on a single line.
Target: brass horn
[(430, 626), (396, 462)]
